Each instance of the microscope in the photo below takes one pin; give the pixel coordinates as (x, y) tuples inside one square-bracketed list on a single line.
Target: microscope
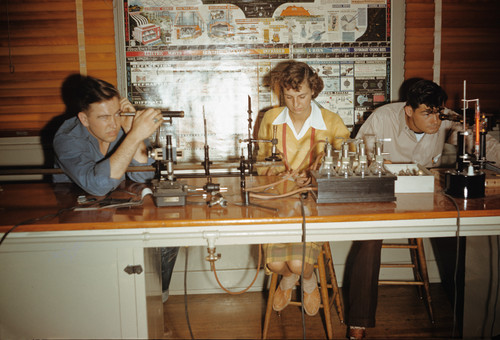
[(167, 190), (468, 178)]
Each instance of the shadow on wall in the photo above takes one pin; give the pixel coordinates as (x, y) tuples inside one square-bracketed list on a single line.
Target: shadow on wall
[(68, 93)]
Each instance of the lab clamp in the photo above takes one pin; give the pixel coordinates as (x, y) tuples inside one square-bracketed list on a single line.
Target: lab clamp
[(468, 179), (167, 190), (247, 164), (212, 189), (358, 176)]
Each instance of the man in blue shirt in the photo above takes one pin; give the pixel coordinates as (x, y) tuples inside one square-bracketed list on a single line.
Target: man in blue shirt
[(95, 148)]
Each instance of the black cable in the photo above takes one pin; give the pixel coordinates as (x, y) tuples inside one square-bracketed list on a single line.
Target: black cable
[(455, 274), (497, 288), (185, 294), (95, 205), (490, 286), (32, 220), (303, 240)]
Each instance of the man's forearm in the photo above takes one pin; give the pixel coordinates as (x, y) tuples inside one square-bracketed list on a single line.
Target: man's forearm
[(121, 158), (141, 155), (144, 124)]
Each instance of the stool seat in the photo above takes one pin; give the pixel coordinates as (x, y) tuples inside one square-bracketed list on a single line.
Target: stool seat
[(323, 263)]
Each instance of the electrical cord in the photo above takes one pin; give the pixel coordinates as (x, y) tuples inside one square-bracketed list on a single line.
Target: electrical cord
[(186, 312), (212, 266), (292, 173), (107, 202), (301, 181), (94, 206), (265, 186), (498, 287), (303, 240), (487, 305), (290, 193), (455, 274), (33, 220)]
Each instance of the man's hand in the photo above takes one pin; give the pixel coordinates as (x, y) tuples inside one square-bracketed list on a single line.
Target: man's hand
[(145, 123), (138, 128)]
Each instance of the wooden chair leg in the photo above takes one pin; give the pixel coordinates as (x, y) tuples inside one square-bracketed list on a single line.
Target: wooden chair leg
[(336, 298), (269, 308), (324, 295), (425, 275), (414, 251)]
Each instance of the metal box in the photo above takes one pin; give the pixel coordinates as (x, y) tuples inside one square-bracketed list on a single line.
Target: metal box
[(339, 189), (169, 193)]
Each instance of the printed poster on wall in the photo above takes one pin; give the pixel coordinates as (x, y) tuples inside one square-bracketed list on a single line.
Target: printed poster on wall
[(211, 58)]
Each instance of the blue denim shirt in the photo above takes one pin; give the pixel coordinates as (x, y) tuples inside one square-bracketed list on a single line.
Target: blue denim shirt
[(77, 154)]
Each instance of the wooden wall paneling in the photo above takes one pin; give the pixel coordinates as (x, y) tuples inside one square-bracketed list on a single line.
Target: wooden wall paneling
[(470, 51), (470, 46), (41, 39), (100, 39), (419, 39), (44, 52)]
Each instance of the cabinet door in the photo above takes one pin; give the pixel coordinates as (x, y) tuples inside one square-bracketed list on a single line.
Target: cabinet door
[(77, 291)]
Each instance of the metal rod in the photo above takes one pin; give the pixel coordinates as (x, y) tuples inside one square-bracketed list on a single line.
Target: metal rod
[(183, 166), (465, 106), (165, 113)]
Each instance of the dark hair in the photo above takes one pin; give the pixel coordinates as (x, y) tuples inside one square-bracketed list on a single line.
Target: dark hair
[(292, 74), (79, 92), (405, 87), (426, 92)]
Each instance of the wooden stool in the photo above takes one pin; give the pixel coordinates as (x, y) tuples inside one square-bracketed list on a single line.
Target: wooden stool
[(419, 266), (324, 260)]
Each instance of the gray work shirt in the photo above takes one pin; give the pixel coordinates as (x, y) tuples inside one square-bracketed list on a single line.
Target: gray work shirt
[(388, 121), (77, 154)]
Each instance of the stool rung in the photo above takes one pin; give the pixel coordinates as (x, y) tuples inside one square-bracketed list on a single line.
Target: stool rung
[(400, 282), (418, 264), (397, 245), (397, 265)]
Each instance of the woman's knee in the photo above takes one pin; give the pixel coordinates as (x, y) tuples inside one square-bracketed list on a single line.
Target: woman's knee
[(296, 268), (277, 267)]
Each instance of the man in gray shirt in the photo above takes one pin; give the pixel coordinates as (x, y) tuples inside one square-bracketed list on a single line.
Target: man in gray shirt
[(416, 132), (417, 135)]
